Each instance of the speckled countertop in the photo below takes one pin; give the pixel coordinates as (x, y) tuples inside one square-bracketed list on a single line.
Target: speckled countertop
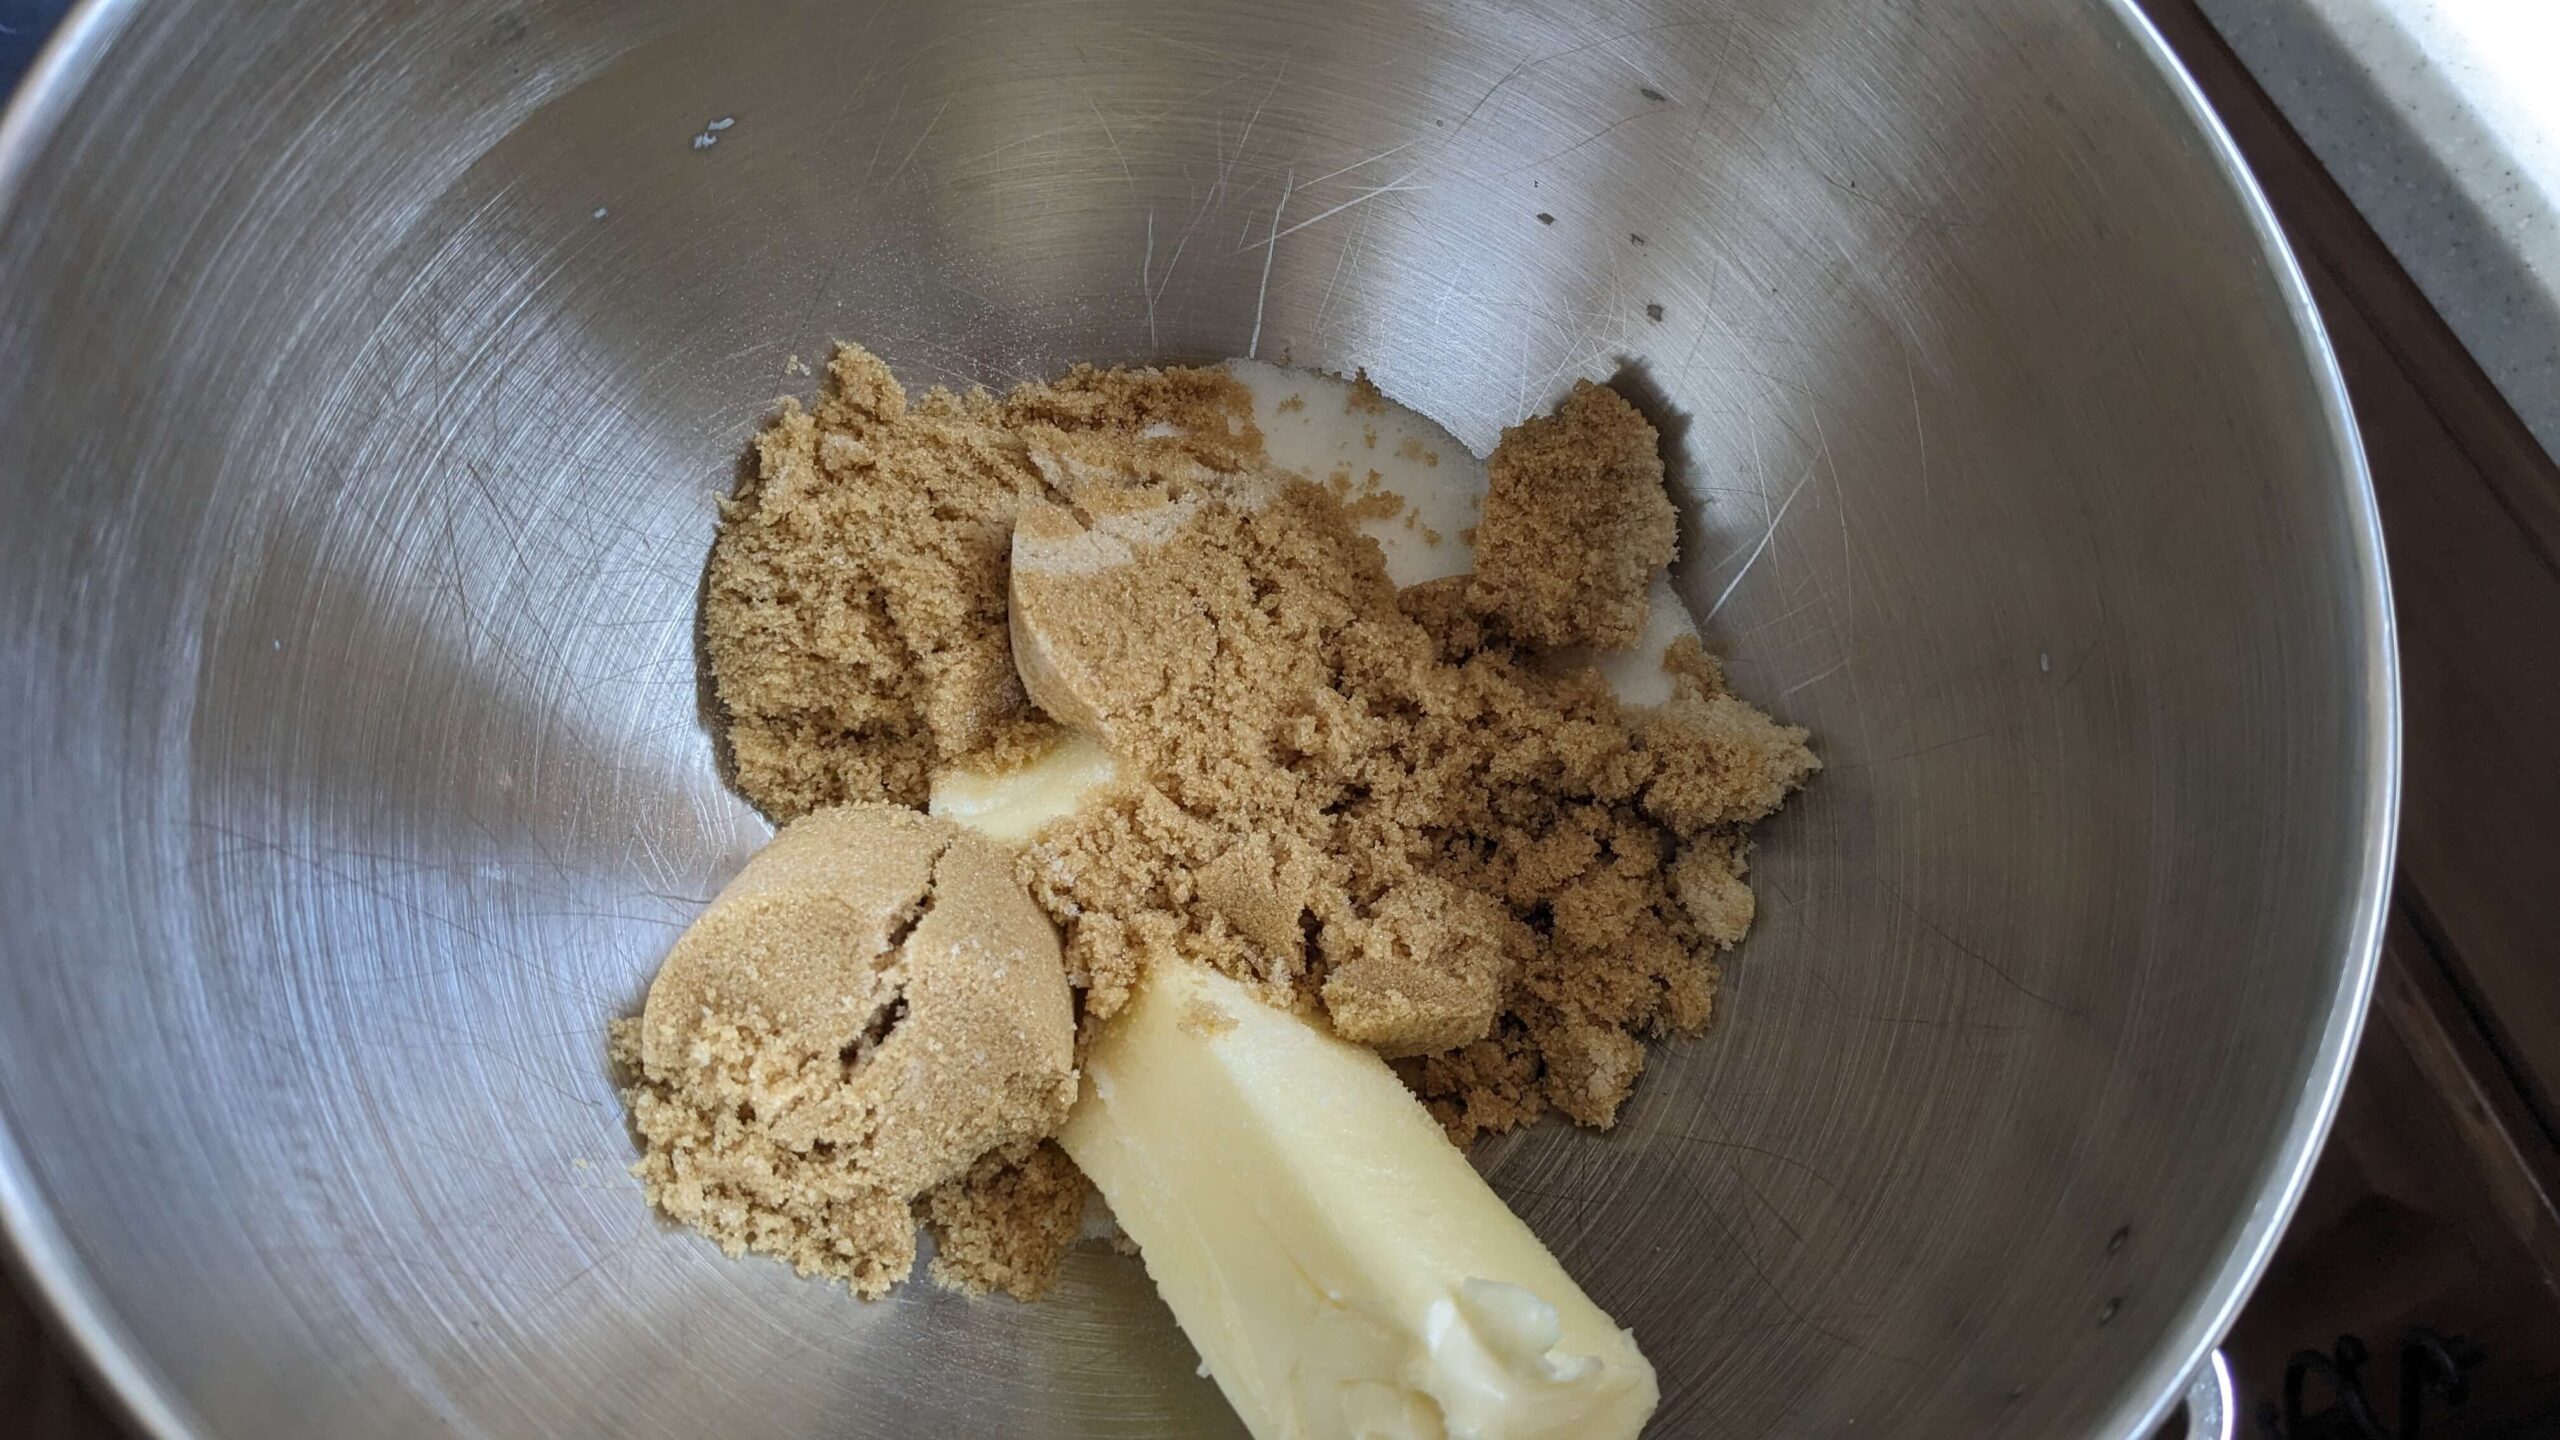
[(2441, 120)]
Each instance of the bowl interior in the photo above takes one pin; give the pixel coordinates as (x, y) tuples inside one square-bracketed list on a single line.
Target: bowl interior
[(377, 369)]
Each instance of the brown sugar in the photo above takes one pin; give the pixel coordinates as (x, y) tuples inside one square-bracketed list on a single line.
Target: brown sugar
[(1575, 523), (868, 1008), (1424, 970), (1368, 800), (854, 609), (1008, 1223), (1386, 808)]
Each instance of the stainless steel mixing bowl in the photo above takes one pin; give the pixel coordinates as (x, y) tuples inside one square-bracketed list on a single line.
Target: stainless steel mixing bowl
[(371, 370)]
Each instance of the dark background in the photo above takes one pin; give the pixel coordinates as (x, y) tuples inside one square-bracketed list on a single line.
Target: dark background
[(24, 24)]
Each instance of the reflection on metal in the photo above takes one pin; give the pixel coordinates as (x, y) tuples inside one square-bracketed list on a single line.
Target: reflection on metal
[(2210, 1411)]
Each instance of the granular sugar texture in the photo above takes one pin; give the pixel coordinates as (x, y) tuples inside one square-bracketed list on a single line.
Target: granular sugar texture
[(1390, 808)]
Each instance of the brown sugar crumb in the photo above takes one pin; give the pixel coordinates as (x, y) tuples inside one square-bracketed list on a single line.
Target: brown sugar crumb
[(1375, 505), (1203, 1016), (1575, 523), (1367, 499), (1365, 397), (1424, 970), (870, 1006), (1007, 1225), (1494, 1085), (853, 613)]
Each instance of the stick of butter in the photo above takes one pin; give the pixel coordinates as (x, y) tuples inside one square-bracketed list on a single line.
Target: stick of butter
[(1010, 806), (1342, 1270)]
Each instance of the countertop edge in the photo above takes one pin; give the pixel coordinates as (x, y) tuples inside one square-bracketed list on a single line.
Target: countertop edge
[(2432, 164)]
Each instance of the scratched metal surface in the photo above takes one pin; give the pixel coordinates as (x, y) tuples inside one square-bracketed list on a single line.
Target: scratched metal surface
[(372, 370)]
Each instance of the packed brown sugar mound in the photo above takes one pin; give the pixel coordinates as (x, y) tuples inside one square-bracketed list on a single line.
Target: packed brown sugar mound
[(869, 1008), (1377, 805)]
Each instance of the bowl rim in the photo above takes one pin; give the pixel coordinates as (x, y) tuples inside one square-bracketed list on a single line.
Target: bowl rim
[(32, 1244), (37, 1251), (2161, 1384)]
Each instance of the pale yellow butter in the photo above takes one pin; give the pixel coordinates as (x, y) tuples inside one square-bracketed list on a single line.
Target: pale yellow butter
[(1012, 806), (1339, 1266)]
